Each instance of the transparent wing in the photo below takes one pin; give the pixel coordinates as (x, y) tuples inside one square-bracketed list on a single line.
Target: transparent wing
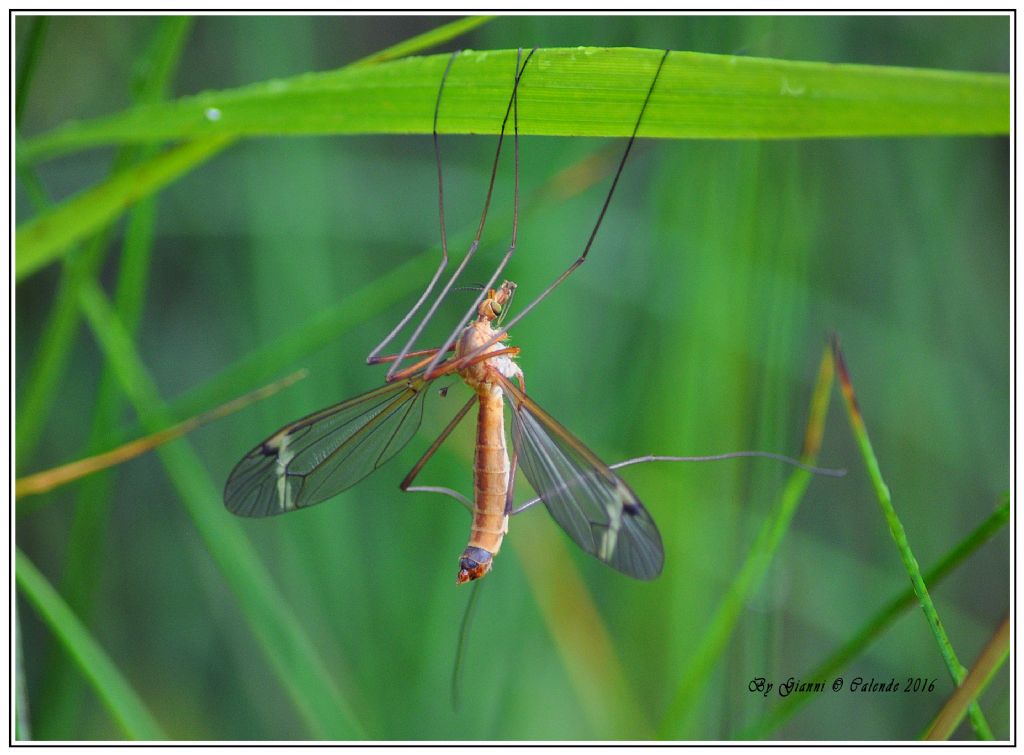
[(316, 457), (590, 502)]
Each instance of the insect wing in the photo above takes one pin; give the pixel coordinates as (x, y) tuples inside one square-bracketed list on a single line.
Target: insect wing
[(588, 500), (317, 457)]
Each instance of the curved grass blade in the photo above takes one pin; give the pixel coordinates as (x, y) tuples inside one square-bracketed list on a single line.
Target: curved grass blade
[(113, 689), (899, 536), (590, 502), (318, 456)]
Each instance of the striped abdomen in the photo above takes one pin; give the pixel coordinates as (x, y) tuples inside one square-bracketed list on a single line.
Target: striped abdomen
[(490, 486)]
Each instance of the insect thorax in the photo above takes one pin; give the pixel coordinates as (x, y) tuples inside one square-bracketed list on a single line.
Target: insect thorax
[(473, 337)]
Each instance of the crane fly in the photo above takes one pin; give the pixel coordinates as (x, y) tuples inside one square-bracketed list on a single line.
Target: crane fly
[(318, 456), (324, 453)]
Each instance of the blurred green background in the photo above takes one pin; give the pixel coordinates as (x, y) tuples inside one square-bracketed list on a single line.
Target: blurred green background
[(696, 327)]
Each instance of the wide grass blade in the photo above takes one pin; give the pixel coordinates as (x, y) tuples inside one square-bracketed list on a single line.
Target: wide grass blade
[(582, 91), (899, 536), (113, 689)]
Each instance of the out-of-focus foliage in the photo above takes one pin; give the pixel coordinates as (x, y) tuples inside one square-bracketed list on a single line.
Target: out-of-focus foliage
[(695, 327)]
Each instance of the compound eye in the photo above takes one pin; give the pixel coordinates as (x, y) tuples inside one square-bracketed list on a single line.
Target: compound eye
[(495, 308)]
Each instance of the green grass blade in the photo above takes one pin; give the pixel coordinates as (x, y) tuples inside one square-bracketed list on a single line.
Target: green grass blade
[(51, 357), (716, 637), (153, 80), (573, 92), (899, 536), (33, 45), (290, 652), (115, 692), (45, 237), (878, 623), (22, 718), (424, 41)]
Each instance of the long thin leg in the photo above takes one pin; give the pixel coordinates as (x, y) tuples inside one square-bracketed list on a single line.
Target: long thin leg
[(513, 465), (476, 239), (415, 367), (446, 368), (826, 471), (407, 482), (452, 365), (420, 353), (373, 357), (499, 333), (460, 649), (515, 211)]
